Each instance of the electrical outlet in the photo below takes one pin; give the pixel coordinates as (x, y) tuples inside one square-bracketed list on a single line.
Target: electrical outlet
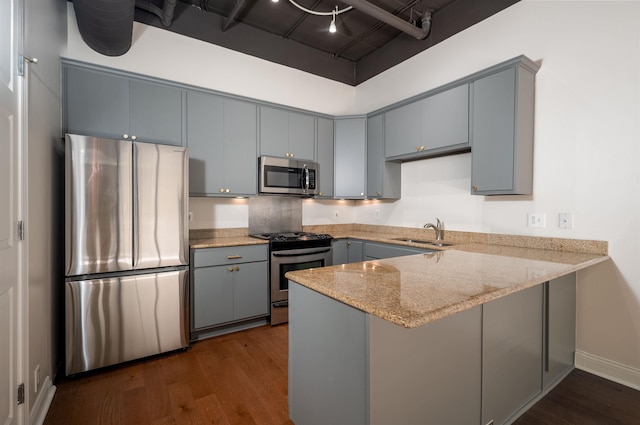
[(535, 220), (190, 216), (36, 379), (565, 220)]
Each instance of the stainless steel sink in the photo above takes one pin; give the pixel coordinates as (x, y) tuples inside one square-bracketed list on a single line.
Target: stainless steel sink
[(433, 243)]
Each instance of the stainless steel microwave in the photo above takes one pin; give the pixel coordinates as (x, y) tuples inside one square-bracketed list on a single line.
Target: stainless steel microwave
[(288, 176)]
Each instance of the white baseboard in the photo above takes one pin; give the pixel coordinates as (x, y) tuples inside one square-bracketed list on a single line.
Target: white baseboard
[(42, 404), (608, 369)]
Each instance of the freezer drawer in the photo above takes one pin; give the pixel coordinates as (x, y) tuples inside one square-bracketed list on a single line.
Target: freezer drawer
[(117, 319)]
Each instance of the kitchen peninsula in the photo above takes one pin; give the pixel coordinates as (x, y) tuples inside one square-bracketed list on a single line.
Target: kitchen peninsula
[(469, 335)]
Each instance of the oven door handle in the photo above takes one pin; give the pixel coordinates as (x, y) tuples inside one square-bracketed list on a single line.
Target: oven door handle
[(298, 254)]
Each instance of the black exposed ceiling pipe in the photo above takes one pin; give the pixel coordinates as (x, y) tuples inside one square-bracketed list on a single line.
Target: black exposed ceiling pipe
[(391, 19), (165, 13), (106, 25)]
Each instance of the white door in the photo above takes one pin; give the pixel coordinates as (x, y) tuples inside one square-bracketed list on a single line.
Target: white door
[(11, 361)]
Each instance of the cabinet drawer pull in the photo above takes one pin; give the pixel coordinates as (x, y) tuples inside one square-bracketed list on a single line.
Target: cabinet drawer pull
[(233, 257)]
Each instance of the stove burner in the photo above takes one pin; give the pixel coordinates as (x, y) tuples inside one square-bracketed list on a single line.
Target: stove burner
[(294, 240)]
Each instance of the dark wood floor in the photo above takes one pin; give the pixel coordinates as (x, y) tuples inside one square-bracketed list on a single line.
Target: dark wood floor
[(241, 378)]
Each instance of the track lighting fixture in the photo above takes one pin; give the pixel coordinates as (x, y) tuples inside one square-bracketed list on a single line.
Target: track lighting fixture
[(332, 26), (333, 13)]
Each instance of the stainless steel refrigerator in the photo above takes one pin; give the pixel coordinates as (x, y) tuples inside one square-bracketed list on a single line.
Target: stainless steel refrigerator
[(126, 250)]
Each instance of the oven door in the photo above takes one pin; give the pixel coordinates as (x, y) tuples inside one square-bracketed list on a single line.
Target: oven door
[(284, 261)]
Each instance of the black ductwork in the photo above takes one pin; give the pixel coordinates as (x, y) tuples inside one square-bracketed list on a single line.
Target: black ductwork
[(107, 25)]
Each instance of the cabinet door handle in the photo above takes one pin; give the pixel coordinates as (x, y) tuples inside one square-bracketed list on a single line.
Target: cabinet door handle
[(134, 137), (125, 136), (233, 257), (226, 190), (474, 187), (230, 269), (237, 269)]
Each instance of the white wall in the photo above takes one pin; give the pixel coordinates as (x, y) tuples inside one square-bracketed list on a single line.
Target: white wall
[(586, 141), (586, 156), (174, 57), (45, 36)]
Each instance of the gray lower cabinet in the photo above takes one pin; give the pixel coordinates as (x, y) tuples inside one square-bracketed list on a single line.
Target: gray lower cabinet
[(229, 284), (378, 250), (325, 153), (502, 131), (286, 133), (348, 367), (347, 251), (350, 157), (559, 330), (435, 125), (511, 353), (383, 177), (222, 142), (484, 365), (103, 104)]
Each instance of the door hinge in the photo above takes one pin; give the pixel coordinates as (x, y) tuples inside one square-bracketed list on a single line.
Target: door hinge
[(21, 394), (21, 230)]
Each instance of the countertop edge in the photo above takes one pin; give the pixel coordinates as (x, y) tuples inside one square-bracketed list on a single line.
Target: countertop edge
[(454, 307)]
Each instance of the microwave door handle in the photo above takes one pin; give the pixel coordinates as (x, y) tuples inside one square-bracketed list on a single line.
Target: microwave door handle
[(305, 178)]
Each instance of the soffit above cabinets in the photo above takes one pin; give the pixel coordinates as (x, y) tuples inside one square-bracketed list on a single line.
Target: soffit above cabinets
[(362, 46)]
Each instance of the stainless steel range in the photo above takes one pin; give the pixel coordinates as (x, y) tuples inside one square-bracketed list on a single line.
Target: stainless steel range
[(292, 251)]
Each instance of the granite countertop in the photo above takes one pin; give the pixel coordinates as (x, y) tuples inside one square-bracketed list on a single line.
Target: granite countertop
[(218, 242), (219, 238), (414, 290)]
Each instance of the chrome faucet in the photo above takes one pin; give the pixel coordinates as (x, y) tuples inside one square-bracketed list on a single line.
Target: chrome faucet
[(438, 227)]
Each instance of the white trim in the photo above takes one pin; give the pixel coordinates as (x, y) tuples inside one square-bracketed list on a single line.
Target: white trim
[(42, 404), (608, 369)]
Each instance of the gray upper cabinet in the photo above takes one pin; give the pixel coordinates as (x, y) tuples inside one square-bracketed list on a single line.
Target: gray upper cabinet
[(435, 125), (383, 177), (502, 131), (286, 133), (445, 120), (402, 130), (102, 104), (222, 142), (350, 157), (325, 157)]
